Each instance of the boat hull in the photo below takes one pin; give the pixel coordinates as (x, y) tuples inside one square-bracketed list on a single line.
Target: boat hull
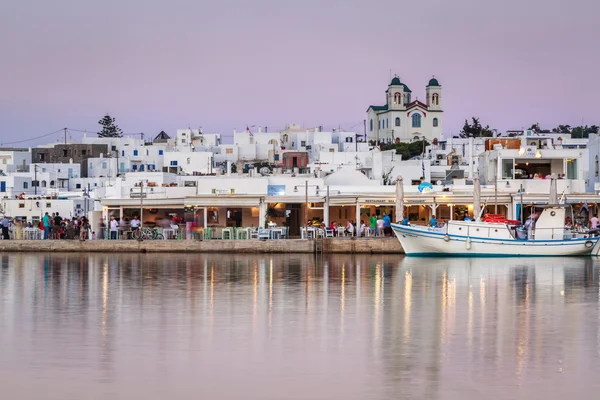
[(423, 242)]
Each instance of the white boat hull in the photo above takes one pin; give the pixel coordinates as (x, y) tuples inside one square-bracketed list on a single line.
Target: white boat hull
[(418, 241)]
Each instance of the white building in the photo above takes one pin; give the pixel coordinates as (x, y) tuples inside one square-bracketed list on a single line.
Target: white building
[(404, 119)]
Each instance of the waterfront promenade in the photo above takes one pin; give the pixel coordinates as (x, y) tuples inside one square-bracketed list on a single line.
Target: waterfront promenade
[(388, 245)]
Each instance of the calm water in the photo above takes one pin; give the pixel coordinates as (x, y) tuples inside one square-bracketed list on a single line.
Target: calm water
[(292, 327)]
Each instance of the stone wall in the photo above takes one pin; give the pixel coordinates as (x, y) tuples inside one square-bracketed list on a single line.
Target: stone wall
[(345, 246)]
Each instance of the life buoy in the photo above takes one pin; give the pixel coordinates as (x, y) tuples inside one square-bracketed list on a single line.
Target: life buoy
[(446, 238), (589, 244)]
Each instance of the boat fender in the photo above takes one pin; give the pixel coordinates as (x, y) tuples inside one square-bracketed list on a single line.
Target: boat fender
[(446, 238), (589, 244), (468, 243)]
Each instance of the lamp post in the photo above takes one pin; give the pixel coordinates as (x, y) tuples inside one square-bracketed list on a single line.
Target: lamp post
[(306, 186)]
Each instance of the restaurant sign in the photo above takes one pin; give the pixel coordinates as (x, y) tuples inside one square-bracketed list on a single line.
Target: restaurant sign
[(276, 190)]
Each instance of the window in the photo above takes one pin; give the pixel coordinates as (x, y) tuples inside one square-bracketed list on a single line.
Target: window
[(397, 123), (35, 183), (435, 99), (103, 165), (135, 152), (596, 166), (43, 169), (147, 152), (348, 140), (83, 152), (182, 141), (134, 167), (26, 185), (78, 186), (173, 163), (65, 153), (397, 98), (303, 143), (508, 166), (228, 151), (48, 205), (435, 122), (571, 168), (51, 183), (379, 124), (160, 152), (43, 183), (189, 160), (122, 153), (21, 205), (277, 157), (371, 125), (416, 120)]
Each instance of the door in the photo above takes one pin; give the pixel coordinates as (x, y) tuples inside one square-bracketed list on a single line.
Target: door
[(292, 219), (2, 187)]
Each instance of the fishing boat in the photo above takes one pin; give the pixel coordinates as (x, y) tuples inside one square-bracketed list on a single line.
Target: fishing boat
[(548, 237)]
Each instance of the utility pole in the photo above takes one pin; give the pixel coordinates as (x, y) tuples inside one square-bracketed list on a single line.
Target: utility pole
[(141, 204), (65, 135), (306, 204), (365, 129), (35, 178)]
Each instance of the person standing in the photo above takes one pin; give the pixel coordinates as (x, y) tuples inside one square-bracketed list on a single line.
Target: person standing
[(135, 223), (387, 225), (46, 222), (373, 224), (114, 228), (379, 226), (57, 227), (5, 225)]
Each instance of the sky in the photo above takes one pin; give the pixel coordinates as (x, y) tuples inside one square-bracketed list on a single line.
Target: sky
[(223, 65)]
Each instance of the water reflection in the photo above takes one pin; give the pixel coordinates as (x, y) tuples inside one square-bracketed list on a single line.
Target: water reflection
[(295, 326)]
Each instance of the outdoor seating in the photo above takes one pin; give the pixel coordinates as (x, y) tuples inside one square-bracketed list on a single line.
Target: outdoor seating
[(328, 233), (264, 233), (226, 233)]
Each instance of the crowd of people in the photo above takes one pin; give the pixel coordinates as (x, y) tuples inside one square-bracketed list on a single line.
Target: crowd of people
[(52, 226)]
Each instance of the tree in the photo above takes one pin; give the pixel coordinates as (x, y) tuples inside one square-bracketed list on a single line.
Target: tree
[(387, 181), (536, 127), (562, 129), (407, 150), (475, 129), (109, 128), (580, 132)]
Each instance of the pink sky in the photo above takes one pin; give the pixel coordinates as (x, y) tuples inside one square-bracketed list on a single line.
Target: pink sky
[(162, 65)]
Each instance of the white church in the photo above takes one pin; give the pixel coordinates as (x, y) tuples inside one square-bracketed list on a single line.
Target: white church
[(403, 119)]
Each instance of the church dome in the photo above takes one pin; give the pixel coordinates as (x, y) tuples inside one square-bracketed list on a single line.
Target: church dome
[(396, 82), (433, 82)]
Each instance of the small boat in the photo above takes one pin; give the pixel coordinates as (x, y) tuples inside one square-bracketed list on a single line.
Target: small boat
[(496, 239)]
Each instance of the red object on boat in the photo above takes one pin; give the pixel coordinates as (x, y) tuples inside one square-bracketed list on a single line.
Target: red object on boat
[(499, 219)]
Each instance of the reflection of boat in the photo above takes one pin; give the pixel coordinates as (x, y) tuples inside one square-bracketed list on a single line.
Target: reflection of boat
[(460, 238)]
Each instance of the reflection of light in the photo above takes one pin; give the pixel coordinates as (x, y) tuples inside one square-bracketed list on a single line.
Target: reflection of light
[(255, 298), (104, 298), (470, 318), (270, 294), (343, 298), (407, 304), (377, 299)]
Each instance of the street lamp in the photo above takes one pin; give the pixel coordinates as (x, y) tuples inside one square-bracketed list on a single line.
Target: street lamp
[(306, 186)]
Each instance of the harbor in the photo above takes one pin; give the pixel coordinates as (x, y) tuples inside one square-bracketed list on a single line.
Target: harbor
[(389, 245)]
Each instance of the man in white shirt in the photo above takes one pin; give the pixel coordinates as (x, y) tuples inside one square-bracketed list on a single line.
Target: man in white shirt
[(135, 223), (114, 228)]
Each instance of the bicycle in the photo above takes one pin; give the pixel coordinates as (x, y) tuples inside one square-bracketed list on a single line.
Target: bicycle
[(147, 234)]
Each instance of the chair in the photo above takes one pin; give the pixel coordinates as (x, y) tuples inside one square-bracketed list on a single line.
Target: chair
[(208, 232), (241, 233), (320, 233), (264, 233), (328, 232), (253, 233), (226, 232)]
